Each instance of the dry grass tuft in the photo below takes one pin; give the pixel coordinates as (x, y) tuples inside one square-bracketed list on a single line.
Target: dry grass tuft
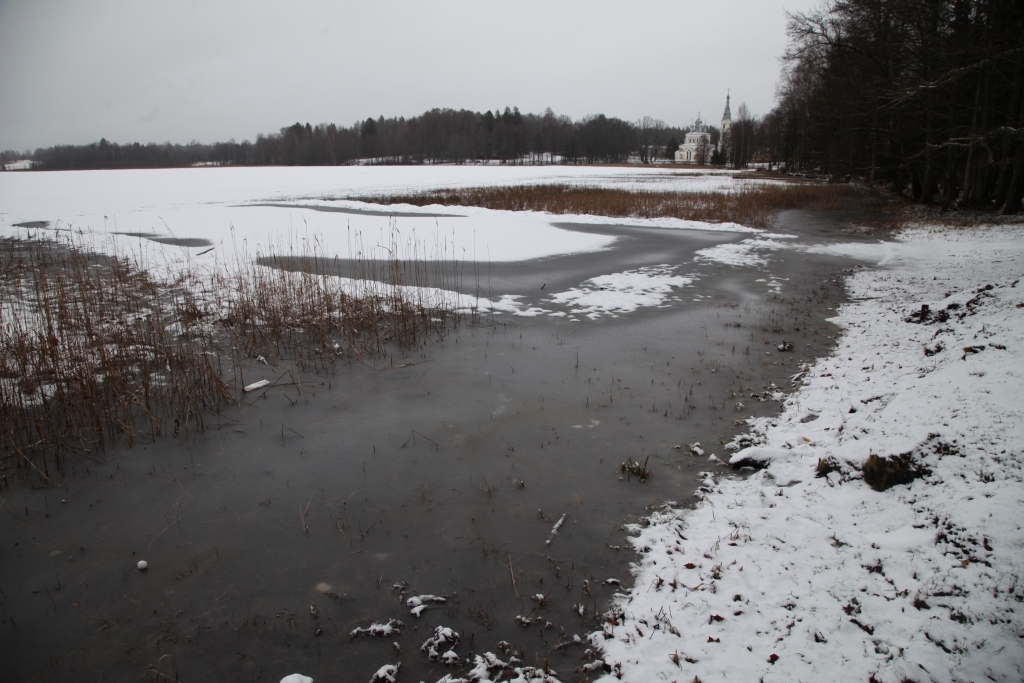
[(754, 206)]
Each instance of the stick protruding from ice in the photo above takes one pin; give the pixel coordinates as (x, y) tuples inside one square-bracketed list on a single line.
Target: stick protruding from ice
[(554, 529)]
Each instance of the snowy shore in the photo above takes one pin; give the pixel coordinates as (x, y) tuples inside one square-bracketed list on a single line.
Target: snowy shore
[(804, 571)]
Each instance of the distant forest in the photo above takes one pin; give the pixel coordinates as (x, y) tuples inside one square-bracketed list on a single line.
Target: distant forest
[(924, 96), (437, 136)]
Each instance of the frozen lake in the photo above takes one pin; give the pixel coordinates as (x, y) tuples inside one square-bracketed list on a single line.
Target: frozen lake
[(166, 215)]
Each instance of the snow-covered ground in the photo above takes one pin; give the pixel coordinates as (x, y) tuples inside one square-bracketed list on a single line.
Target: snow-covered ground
[(220, 212), (804, 572)]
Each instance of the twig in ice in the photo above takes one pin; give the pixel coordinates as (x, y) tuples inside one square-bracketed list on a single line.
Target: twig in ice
[(256, 385), (512, 574), (554, 529)]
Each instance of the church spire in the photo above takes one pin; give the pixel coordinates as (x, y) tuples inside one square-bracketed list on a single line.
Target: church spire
[(727, 116)]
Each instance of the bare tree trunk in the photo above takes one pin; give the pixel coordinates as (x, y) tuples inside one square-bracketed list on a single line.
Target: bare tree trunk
[(1009, 144), (1015, 192), (965, 196)]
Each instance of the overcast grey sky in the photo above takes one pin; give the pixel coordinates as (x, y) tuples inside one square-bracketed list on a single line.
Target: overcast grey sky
[(163, 70)]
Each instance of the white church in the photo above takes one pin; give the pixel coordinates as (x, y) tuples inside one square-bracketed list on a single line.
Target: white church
[(697, 148)]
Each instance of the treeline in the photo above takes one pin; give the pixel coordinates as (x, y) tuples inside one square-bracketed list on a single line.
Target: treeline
[(922, 95), (437, 136)]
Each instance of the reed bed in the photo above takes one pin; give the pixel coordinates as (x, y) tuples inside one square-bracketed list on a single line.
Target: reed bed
[(300, 304), (92, 351), (95, 350), (751, 205)]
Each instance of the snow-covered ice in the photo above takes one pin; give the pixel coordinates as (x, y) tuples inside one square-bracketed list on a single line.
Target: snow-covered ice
[(208, 213), (748, 252), (802, 571), (623, 292)]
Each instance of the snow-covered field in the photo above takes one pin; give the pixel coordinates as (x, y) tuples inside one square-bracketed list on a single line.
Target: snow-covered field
[(807, 573), (220, 211)]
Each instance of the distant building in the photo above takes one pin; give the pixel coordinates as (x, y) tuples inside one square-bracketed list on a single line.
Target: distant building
[(697, 147), (725, 139), (20, 165)]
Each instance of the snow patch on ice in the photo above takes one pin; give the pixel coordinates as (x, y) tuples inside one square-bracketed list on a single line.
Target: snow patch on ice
[(623, 292), (749, 252)]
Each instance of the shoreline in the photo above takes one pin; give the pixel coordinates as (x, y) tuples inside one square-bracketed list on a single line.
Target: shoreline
[(803, 565)]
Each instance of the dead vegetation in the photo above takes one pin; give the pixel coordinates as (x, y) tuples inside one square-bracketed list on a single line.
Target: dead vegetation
[(634, 468), (881, 473), (753, 205), (92, 351), (294, 304), (95, 350)]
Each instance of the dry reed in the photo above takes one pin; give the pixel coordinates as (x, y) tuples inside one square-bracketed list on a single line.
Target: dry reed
[(94, 350), (754, 205), (298, 303)]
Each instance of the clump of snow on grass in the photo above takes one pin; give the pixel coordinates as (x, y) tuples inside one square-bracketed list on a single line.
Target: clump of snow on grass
[(442, 637), (393, 627), (623, 292), (803, 571), (487, 665), (386, 674), (418, 603)]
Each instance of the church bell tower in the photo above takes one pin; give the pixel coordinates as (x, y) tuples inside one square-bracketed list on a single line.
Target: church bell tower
[(725, 140)]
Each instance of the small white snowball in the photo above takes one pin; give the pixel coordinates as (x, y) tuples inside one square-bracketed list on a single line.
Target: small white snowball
[(142, 565), (296, 678)]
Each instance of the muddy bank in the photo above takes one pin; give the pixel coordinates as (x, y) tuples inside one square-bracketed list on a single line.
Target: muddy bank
[(271, 537)]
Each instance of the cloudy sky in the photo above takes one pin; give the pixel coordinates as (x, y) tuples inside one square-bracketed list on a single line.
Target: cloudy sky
[(73, 71)]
